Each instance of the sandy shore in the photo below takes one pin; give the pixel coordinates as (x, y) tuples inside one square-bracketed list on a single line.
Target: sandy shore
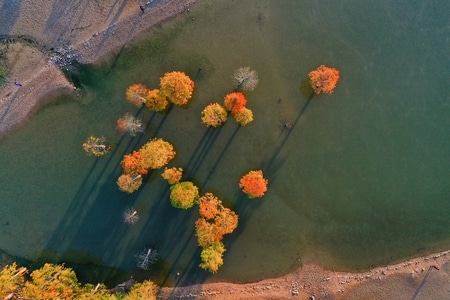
[(43, 36), (423, 278)]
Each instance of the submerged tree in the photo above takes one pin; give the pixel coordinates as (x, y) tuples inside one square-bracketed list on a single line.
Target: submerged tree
[(235, 102), (96, 146), (323, 79), (254, 184), (146, 257), (214, 115), (172, 175), (212, 257), (155, 101), (129, 182), (244, 117), (245, 78), (177, 87), (130, 124), (130, 216), (183, 194), (136, 93)]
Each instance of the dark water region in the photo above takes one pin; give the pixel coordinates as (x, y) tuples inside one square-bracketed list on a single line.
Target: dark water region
[(361, 178)]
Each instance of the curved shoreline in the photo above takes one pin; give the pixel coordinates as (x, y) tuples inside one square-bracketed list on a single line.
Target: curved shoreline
[(408, 278)]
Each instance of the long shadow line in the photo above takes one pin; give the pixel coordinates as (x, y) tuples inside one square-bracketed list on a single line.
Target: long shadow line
[(280, 146), (219, 158), (202, 149)]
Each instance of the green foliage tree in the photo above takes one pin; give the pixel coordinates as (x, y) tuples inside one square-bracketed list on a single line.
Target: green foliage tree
[(212, 257)]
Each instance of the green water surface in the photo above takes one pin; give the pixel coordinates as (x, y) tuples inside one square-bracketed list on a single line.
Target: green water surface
[(361, 179)]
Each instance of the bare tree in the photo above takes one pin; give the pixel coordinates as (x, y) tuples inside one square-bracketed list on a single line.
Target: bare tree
[(245, 78)]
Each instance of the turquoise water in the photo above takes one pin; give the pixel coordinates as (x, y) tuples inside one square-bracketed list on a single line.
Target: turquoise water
[(361, 179)]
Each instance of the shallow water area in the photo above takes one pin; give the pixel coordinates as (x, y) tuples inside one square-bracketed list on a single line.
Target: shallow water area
[(360, 179)]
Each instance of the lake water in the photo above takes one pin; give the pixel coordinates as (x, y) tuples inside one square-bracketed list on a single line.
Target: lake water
[(361, 179)]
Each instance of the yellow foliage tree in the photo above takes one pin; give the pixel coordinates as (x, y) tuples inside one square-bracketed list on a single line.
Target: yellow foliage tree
[(11, 281), (183, 194), (244, 116), (212, 257), (214, 115), (155, 101), (177, 87), (52, 282), (156, 154), (145, 290), (323, 79), (96, 146), (207, 232)]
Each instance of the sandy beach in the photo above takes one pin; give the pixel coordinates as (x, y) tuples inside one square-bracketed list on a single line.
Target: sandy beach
[(42, 37)]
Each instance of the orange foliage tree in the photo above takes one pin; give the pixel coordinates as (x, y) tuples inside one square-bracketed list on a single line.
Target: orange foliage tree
[(323, 79), (254, 184), (183, 194), (154, 101), (226, 220), (235, 102), (136, 93), (152, 155), (214, 115), (172, 175), (177, 87), (214, 222)]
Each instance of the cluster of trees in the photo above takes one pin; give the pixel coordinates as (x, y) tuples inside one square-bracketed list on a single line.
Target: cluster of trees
[(213, 223), (214, 220), (216, 114), (175, 87), (58, 282), (254, 184), (323, 80), (154, 154)]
